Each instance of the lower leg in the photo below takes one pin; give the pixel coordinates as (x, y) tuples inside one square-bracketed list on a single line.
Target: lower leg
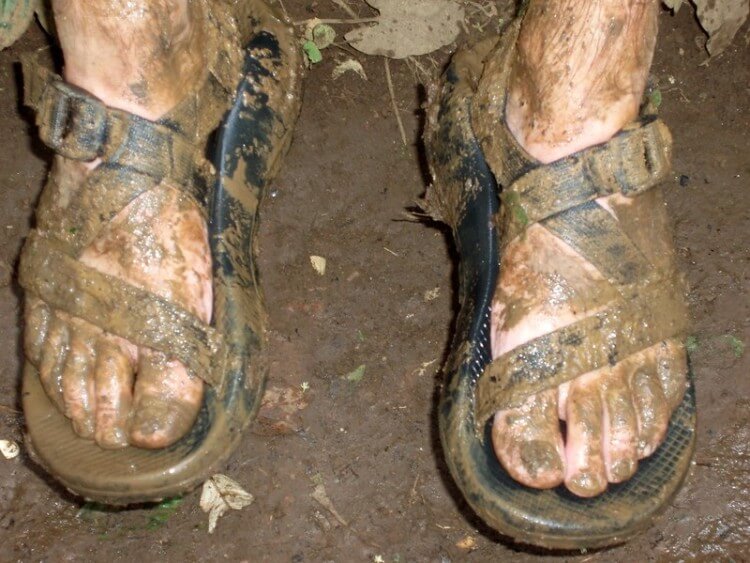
[(579, 72), (133, 54)]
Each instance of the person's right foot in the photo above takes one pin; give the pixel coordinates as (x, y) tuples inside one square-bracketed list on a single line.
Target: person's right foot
[(145, 61), (578, 77)]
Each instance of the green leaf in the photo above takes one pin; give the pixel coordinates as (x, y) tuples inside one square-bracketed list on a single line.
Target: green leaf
[(357, 374), (312, 52), (738, 347), (323, 35), (691, 343), (162, 512)]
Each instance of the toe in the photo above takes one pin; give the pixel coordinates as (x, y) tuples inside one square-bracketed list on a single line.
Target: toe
[(167, 401), (113, 379), (78, 384), (52, 360), (585, 475), (671, 368), (620, 428), (651, 410), (36, 325), (528, 442)]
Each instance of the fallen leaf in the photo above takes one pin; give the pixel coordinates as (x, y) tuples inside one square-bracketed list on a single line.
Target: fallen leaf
[(319, 494), (357, 374), (408, 27), (721, 20), (219, 494), (318, 264), (467, 542), (9, 449), (349, 65), (312, 52), (431, 294), (323, 35)]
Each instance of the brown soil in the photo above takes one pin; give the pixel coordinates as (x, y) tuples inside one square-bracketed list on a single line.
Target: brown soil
[(386, 301)]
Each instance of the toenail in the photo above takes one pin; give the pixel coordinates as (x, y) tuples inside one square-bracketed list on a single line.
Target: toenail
[(622, 469), (585, 483), (539, 457)]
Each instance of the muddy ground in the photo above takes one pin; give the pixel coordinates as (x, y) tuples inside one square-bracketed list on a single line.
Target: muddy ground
[(386, 302)]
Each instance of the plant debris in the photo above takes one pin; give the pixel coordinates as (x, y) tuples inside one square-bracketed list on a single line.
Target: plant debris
[(9, 449), (318, 264), (349, 65), (356, 375), (409, 27), (220, 493), (321, 497)]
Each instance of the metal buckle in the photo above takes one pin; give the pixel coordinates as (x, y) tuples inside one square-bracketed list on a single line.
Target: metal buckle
[(72, 122)]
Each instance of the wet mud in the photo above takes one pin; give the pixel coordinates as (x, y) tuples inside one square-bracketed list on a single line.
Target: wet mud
[(367, 436)]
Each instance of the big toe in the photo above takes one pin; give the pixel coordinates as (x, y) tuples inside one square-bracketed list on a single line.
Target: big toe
[(167, 401), (528, 443)]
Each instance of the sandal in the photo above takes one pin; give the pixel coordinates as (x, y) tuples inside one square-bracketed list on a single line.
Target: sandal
[(471, 154), (256, 88)]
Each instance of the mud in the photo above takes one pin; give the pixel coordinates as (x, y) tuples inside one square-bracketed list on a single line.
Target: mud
[(372, 443)]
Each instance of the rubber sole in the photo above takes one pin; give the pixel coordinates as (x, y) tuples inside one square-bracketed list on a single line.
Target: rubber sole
[(555, 518), (248, 149)]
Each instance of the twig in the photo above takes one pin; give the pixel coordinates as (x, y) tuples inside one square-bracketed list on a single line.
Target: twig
[(9, 409), (344, 6), (393, 100), (336, 21), (283, 9)]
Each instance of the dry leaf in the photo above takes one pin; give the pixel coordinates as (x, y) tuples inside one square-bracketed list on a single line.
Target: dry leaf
[(318, 264), (9, 449), (219, 494), (467, 542), (721, 19), (319, 494), (408, 27), (349, 65)]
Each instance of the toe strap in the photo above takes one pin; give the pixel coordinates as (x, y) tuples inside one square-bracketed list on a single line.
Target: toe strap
[(603, 339), (121, 309)]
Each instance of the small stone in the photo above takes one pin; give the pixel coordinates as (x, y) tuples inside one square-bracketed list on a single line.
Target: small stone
[(684, 180)]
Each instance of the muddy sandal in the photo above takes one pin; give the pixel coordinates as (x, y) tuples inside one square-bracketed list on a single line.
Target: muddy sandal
[(256, 88), (465, 124)]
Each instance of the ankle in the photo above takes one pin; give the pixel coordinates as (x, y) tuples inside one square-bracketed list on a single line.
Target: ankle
[(142, 61), (579, 73)]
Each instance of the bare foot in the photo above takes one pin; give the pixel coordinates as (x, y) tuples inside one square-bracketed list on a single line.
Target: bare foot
[(577, 79), (144, 60)]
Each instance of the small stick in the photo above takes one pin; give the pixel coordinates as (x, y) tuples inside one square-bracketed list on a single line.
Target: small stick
[(393, 101), (336, 21), (344, 6)]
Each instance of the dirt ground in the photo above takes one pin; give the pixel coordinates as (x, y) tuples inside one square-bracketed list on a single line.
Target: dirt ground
[(386, 302)]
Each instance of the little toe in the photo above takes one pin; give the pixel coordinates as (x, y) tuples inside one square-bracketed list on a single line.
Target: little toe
[(671, 368), (37, 317), (52, 360), (620, 428), (651, 410), (78, 385), (528, 443), (585, 475), (167, 401), (113, 378)]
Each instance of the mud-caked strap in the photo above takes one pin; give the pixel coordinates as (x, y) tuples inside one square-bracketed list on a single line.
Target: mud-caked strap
[(603, 339), (122, 309), (77, 125), (633, 161)]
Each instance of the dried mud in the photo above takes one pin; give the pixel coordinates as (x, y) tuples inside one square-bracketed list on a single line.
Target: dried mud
[(370, 439)]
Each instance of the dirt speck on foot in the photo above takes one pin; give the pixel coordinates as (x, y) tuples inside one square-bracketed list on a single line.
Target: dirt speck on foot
[(370, 442)]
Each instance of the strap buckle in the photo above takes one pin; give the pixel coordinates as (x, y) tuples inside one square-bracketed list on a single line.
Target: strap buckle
[(72, 122)]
